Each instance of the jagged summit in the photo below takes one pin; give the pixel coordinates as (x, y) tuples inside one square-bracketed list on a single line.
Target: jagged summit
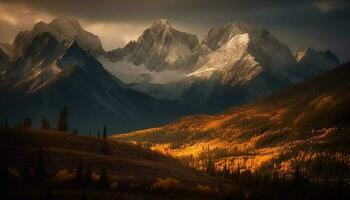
[(160, 47), (240, 53), (217, 37), (63, 21), (312, 62), (161, 23), (303, 52), (62, 29)]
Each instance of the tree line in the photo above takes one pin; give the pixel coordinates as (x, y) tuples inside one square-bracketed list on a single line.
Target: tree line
[(273, 185), (62, 124)]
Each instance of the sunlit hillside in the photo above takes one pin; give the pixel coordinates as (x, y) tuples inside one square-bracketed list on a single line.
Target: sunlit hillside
[(305, 126)]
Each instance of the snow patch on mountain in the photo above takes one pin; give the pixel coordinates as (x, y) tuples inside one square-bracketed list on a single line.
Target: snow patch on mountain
[(221, 60), (160, 47), (241, 53)]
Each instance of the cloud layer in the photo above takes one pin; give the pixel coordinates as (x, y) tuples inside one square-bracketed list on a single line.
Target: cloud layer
[(318, 23)]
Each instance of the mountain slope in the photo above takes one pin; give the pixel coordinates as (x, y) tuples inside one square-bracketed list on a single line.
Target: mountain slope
[(302, 126), (50, 75)]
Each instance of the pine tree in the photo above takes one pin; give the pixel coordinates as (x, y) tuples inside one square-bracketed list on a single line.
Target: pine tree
[(63, 120), (45, 125), (60, 121), (105, 145), (104, 132), (98, 134), (26, 123)]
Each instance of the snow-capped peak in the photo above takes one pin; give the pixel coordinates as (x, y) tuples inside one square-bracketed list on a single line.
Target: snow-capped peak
[(62, 29), (240, 53), (160, 47), (217, 37)]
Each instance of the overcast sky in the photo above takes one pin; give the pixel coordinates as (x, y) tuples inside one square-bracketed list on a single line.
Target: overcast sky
[(321, 24)]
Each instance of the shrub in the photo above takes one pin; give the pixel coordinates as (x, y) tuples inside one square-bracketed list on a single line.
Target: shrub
[(166, 184), (64, 175), (95, 176), (204, 189), (14, 173)]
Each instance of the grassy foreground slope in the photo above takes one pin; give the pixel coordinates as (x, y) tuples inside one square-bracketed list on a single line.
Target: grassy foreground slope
[(124, 163), (305, 126)]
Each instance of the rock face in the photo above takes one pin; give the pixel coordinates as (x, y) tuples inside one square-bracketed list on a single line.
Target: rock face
[(237, 64), (160, 47), (239, 54), (312, 62), (61, 29), (6, 53)]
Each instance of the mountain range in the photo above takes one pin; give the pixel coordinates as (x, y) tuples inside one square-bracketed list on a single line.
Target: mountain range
[(231, 65), (165, 74)]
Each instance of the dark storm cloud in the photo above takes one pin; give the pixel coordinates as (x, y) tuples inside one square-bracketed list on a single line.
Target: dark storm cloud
[(141, 9), (318, 23)]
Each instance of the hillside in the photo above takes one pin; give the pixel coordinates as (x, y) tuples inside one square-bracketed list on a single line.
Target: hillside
[(304, 126), (125, 163)]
